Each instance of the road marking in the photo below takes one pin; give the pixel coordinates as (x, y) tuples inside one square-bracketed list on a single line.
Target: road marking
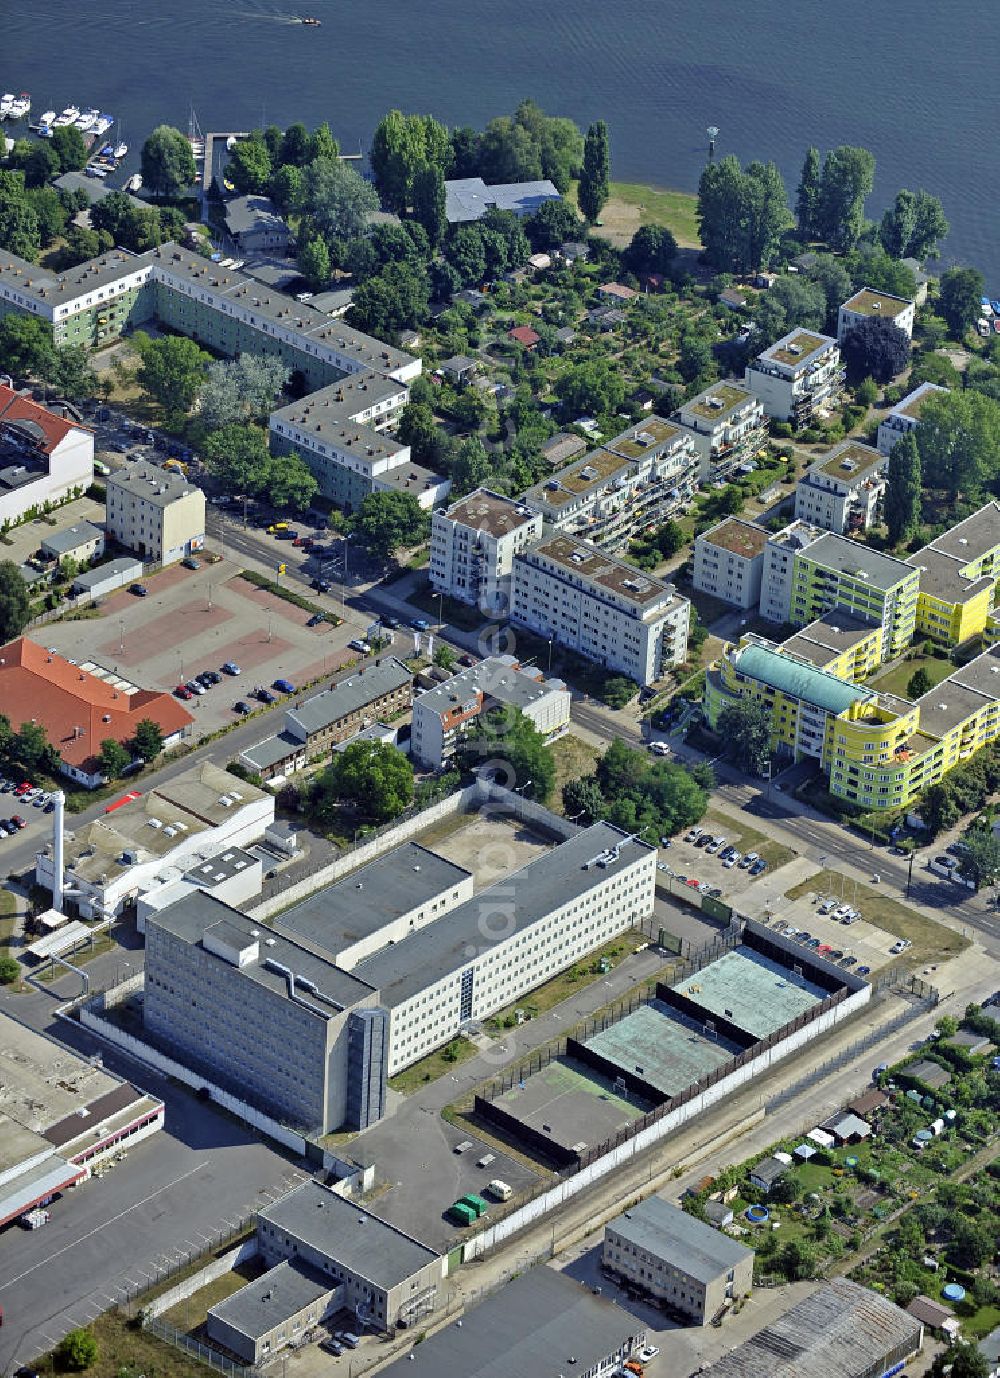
[(98, 1228)]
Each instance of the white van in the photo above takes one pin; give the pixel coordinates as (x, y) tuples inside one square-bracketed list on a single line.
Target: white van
[(500, 1191)]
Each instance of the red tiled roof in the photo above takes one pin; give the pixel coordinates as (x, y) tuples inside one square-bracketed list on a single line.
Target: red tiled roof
[(43, 688), (524, 335), (16, 408)]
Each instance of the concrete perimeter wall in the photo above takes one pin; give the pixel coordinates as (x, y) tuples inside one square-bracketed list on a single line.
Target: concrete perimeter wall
[(218, 1268)]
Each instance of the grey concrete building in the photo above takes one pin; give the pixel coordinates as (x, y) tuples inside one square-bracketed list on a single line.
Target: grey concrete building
[(676, 1258), (285, 1030), (384, 1276), (272, 1312)]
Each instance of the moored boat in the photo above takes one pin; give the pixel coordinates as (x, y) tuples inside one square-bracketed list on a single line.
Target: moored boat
[(20, 106), (47, 117), (120, 151), (6, 101), (66, 116)]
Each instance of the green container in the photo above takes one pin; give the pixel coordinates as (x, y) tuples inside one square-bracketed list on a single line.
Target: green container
[(462, 1214), (475, 1203)]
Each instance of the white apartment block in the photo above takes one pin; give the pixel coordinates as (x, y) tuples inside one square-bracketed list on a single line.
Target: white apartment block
[(729, 560), (797, 376), (869, 304), (157, 514), (473, 544), (44, 458), (444, 715), (843, 490), (905, 416), (509, 939), (728, 425), (640, 479), (580, 597), (778, 566)]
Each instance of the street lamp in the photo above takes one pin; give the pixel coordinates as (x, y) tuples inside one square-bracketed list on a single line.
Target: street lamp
[(550, 655)]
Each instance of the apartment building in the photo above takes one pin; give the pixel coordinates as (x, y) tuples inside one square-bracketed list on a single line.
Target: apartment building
[(729, 561), (157, 514), (959, 573), (797, 377), (473, 544), (842, 491), (840, 644), (444, 715), (285, 1030), (778, 566), (677, 1259), (728, 425), (577, 596), (44, 458), (871, 305), (637, 480), (833, 572), (905, 416)]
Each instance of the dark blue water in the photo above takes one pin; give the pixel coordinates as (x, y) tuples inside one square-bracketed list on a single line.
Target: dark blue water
[(914, 82)]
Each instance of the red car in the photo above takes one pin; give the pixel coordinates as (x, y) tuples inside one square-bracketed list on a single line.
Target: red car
[(183, 692), (21, 822), (23, 788)]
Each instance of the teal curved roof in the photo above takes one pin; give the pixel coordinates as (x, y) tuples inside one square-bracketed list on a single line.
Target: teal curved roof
[(796, 679)]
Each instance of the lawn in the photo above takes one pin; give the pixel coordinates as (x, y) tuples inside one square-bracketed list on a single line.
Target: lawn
[(574, 760), (632, 204), (894, 681), (122, 1349), (746, 839), (932, 942), (457, 614), (432, 1066), (190, 1313)]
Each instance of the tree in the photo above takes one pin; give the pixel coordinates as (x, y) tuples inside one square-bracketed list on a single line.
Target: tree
[(374, 778), (465, 143), (583, 800), (930, 228), (846, 183), (508, 152), (322, 144), (337, 199), (444, 656), (959, 293), (938, 809), (294, 148), (960, 1360), (391, 301), (148, 739), (510, 745), (741, 215), (429, 202), (766, 212), (919, 684), (559, 143), (19, 231), (980, 861), (172, 369), (113, 759), (554, 223), (388, 522), (876, 348), (292, 485), (129, 225), (40, 164), (49, 211), (68, 146), (285, 188), (237, 455), (464, 251), (595, 175), (898, 224), (745, 727), (26, 346), (901, 504), (168, 167), (241, 389), (696, 358), (15, 604), (10, 970), (249, 166), (595, 386), (31, 748), (313, 262), (77, 1350), (959, 440), (651, 250), (807, 196), (403, 144)]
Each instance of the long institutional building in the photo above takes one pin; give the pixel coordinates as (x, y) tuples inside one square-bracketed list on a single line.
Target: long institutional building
[(307, 1019), (358, 384), (856, 609)]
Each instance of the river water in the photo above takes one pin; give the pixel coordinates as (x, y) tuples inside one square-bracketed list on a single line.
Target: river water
[(910, 81)]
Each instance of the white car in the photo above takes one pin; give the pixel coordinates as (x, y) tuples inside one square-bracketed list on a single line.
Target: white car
[(360, 646), (646, 1353), (659, 748), (732, 861)]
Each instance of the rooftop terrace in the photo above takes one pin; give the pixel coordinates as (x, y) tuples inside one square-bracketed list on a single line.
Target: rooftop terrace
[(595, 566), (739, 537)]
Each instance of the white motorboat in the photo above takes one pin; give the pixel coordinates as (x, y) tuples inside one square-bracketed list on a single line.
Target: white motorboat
[(121, 151), (102, 124), (20, 106), (47, 117), (85, 120), (65, 117), (6, 101)]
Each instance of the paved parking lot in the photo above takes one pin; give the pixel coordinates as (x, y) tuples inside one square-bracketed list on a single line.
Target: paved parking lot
[(24, 540), (37, 831), (194, 620), (859, 939)]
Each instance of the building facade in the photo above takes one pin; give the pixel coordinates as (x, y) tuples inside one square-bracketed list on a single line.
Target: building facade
[(798, 376), (959, 574), (728, 425), (155, 513), (833, 572), (779, 563), (570, 592), (905, 416), (842, 491), (677, 1259), (729, 561), (44, 458), (871, 305), (444, 715), (473, 544)]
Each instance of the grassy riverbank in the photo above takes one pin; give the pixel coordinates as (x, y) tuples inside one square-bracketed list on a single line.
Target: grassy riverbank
[(632, 204)]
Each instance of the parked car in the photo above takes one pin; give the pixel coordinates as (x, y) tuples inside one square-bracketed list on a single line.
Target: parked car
[(388, 620), (265, 695), (864, 971), (759, 867), (284, 686), (231, 668), (659, 748), (183, 692), (140, 590), (18, 821), (189, 562), (360, 646), (241, 707), (321, 585), (332, 1346), (316, 619), (195, 687), (419, 624), (49, 805), (748, 860)]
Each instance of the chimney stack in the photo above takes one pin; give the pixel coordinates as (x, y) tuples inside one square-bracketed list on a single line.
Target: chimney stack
[(57, 852)]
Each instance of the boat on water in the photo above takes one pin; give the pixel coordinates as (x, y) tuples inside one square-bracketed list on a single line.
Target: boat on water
[(95, 171), (102, 124), (120, 151), (134, 183), (65, 117), (85, 120), (47, 117), (20, 106), (311, 21), (6, 101)]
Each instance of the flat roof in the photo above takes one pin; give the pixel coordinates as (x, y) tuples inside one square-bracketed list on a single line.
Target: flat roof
[(592, 566), (572, 1105), (859, 561), (930, 1073), (739, 537), (152, 484), (829, 637), (484, 510), (369, 898), (71, 537), (214, 870), (544, 1323), (659, 1045), (670, 1233), (753, 992), (850, 462), (941, 575), (949, 703), (359, 1241), (913, 403), (245, 213), (868, 302), (798, 348), (498, 677), (349, 695), (842, 1330), (971, 538), (718, 402), (469, 198), (259, 1307), (191, 917), (548, 882), (770, 665), (594, 471)]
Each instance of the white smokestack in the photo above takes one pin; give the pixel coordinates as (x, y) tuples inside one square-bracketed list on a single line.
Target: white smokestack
[(57, 852)]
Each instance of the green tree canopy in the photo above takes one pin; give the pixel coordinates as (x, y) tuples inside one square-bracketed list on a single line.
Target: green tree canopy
[(10, 970), (745, 728), (291, 483), (172, 369), (337, 199), (980, 861), (902, 502), (959, 443), (652, 249), (741, 215), (249, 167), (918, 684), (237, 455), (242, 389), (395, 299), (595, 174), (168, 167), (554, 223), (594, 386), (959, 293), (15, 604), (19, 229), (511, 746), (846, 183), (148, 739), (402, 145), (68, 146), (428, 197), (26, 346), (30, 748), (875, 348), (807, 196), (647, 795), (583, 800), (76, 1350), (130, 226), (373, 778), (388, 522), (113, 759)]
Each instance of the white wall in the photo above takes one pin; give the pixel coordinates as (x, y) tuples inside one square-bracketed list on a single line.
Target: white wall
[(71, 465)]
